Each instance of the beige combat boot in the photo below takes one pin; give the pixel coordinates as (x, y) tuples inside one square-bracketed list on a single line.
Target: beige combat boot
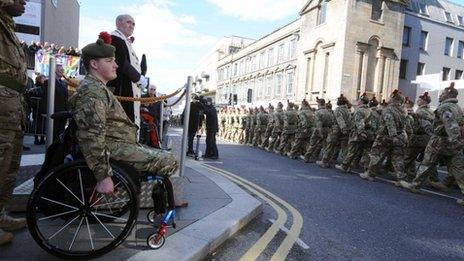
[(5, 237), (411, 186), (9, 223), (365, 175)]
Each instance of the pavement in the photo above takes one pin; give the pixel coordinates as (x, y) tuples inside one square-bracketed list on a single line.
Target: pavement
[(217, 209)]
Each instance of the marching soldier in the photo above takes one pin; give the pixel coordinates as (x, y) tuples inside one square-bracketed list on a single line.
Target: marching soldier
[(260, 124), (357, 144), (277, 128), (290, 124), (242, 129), (391, 139), (337, 140), (13, 79), (251, 126), (306, 120), (237, 126), (263, 123), (324, 120), (373, 125), (447, 141), (256, 127), (269, 127)]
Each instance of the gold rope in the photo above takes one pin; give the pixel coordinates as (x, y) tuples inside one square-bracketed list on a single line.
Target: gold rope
[(72, 86)]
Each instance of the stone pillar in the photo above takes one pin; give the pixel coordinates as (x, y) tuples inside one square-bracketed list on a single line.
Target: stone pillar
[(387, 78), (379, 73), (364, 72)]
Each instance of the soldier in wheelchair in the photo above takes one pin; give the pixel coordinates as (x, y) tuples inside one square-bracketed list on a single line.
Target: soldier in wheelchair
[(89, 205)]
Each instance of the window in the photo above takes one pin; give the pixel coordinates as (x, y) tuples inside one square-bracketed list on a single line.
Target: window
[(241, 68), (290, 79), (460, 20), (235, 69), (268, 86), (458, 75), (270, 57), (280, 54), (260, 87), (376, 13), (423, 9), (406, 36), (322, 12), (278, 89), (423, 40), (420, 68), (292, 49), (403, 68), (446, 74), (262, 58), (253, 63), (448, 17), (448, 46), (460, 49)]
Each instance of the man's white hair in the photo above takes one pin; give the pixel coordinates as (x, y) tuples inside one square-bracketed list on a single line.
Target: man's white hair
[(122, 17)]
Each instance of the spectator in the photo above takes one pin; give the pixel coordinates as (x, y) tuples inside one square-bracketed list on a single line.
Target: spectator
[(39, 108), (195, 121), (154, 109), (211, 129), (167, 113)]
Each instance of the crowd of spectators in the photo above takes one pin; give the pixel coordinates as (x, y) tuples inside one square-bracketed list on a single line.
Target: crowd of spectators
[(52, 48)]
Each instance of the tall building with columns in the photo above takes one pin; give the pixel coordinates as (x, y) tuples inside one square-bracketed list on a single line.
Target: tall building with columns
[(336, 46)]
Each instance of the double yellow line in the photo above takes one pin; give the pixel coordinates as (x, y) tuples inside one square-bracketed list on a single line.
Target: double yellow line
[(276, 203)]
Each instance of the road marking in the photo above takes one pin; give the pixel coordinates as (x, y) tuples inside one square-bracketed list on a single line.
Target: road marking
[(295, 230), (213, 162), (311, 177), (422, 189), (298, 241)]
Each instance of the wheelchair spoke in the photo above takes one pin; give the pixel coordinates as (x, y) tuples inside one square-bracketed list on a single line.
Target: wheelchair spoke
[(90, 234), (59, 203), (106, 199), (109, 216), (103, 195), (58, 215), (75, 234), (112, 203), (99, 221), (82, 187), (65, 226), (69, 191)]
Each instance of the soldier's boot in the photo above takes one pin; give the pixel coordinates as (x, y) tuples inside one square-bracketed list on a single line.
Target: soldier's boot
[(459, 201), (322, 164), (9, 223), (5, 237), (365, 175), (411, 186), (342, 168), (291, 155), (438, 185)]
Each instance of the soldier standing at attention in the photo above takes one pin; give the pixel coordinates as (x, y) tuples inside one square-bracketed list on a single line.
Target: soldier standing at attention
[(323, 120), (447, 141), (391, 140), (303, 132), (13, 81), (357, 144), (337, 140)]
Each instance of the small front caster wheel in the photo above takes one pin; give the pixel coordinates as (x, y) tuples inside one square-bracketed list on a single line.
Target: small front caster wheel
[(154, 241)]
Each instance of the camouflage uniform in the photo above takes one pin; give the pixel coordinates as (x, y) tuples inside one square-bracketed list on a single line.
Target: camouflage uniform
[(237, 126), (324, 120), (274, 140), (373, 125), (391, 140), (337, 139), (290, 120), (13, 80), (104, 131), (306, 121), (256, 127), (263, 123), (241, 137), (247, 120), (270, 126)]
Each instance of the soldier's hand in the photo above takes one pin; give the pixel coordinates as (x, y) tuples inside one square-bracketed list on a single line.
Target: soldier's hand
[(105, 186)]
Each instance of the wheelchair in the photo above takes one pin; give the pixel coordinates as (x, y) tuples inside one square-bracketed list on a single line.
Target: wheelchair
[(67, 217)]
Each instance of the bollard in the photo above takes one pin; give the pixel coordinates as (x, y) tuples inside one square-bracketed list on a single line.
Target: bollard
[(161, 123), (50, 100), (183, 152)]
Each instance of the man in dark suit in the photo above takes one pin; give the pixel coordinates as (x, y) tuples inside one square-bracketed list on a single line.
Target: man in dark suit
[(130, 78), (195, 121), (61, 100), (212, 128)]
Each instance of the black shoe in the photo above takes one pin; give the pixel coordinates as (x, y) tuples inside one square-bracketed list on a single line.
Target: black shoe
[(26, 148)]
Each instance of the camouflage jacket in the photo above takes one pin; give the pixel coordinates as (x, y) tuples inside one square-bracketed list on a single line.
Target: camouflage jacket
[(261, 121), (449, 121), (422, 127), (13, 77), (361, 123), (306, 122), (409, 123), (392, 126), (372, 124), (343, 119), (247, 120), (100, 119), (278, 121), (324, 121), (290, 121)]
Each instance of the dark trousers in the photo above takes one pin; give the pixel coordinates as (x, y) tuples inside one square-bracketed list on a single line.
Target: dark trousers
[(58, 128), (211, 148), (191, 136)]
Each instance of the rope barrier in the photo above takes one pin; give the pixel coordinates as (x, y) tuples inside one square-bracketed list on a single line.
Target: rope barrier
[(72, 86)]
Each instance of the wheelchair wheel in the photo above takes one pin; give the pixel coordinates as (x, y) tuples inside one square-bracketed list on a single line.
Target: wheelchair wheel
[(69, 219)]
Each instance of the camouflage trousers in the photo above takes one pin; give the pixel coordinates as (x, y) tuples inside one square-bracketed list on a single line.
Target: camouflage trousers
[(286, 141), (315, 146), (257, 137), (336, 145), (144, 158), (299, 145), (265, 138), (236, 135), (357, 151), (241, 136), (250, 137), (11, 146), (437, 148), (410, 163), (274, 141), (382, 148)]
